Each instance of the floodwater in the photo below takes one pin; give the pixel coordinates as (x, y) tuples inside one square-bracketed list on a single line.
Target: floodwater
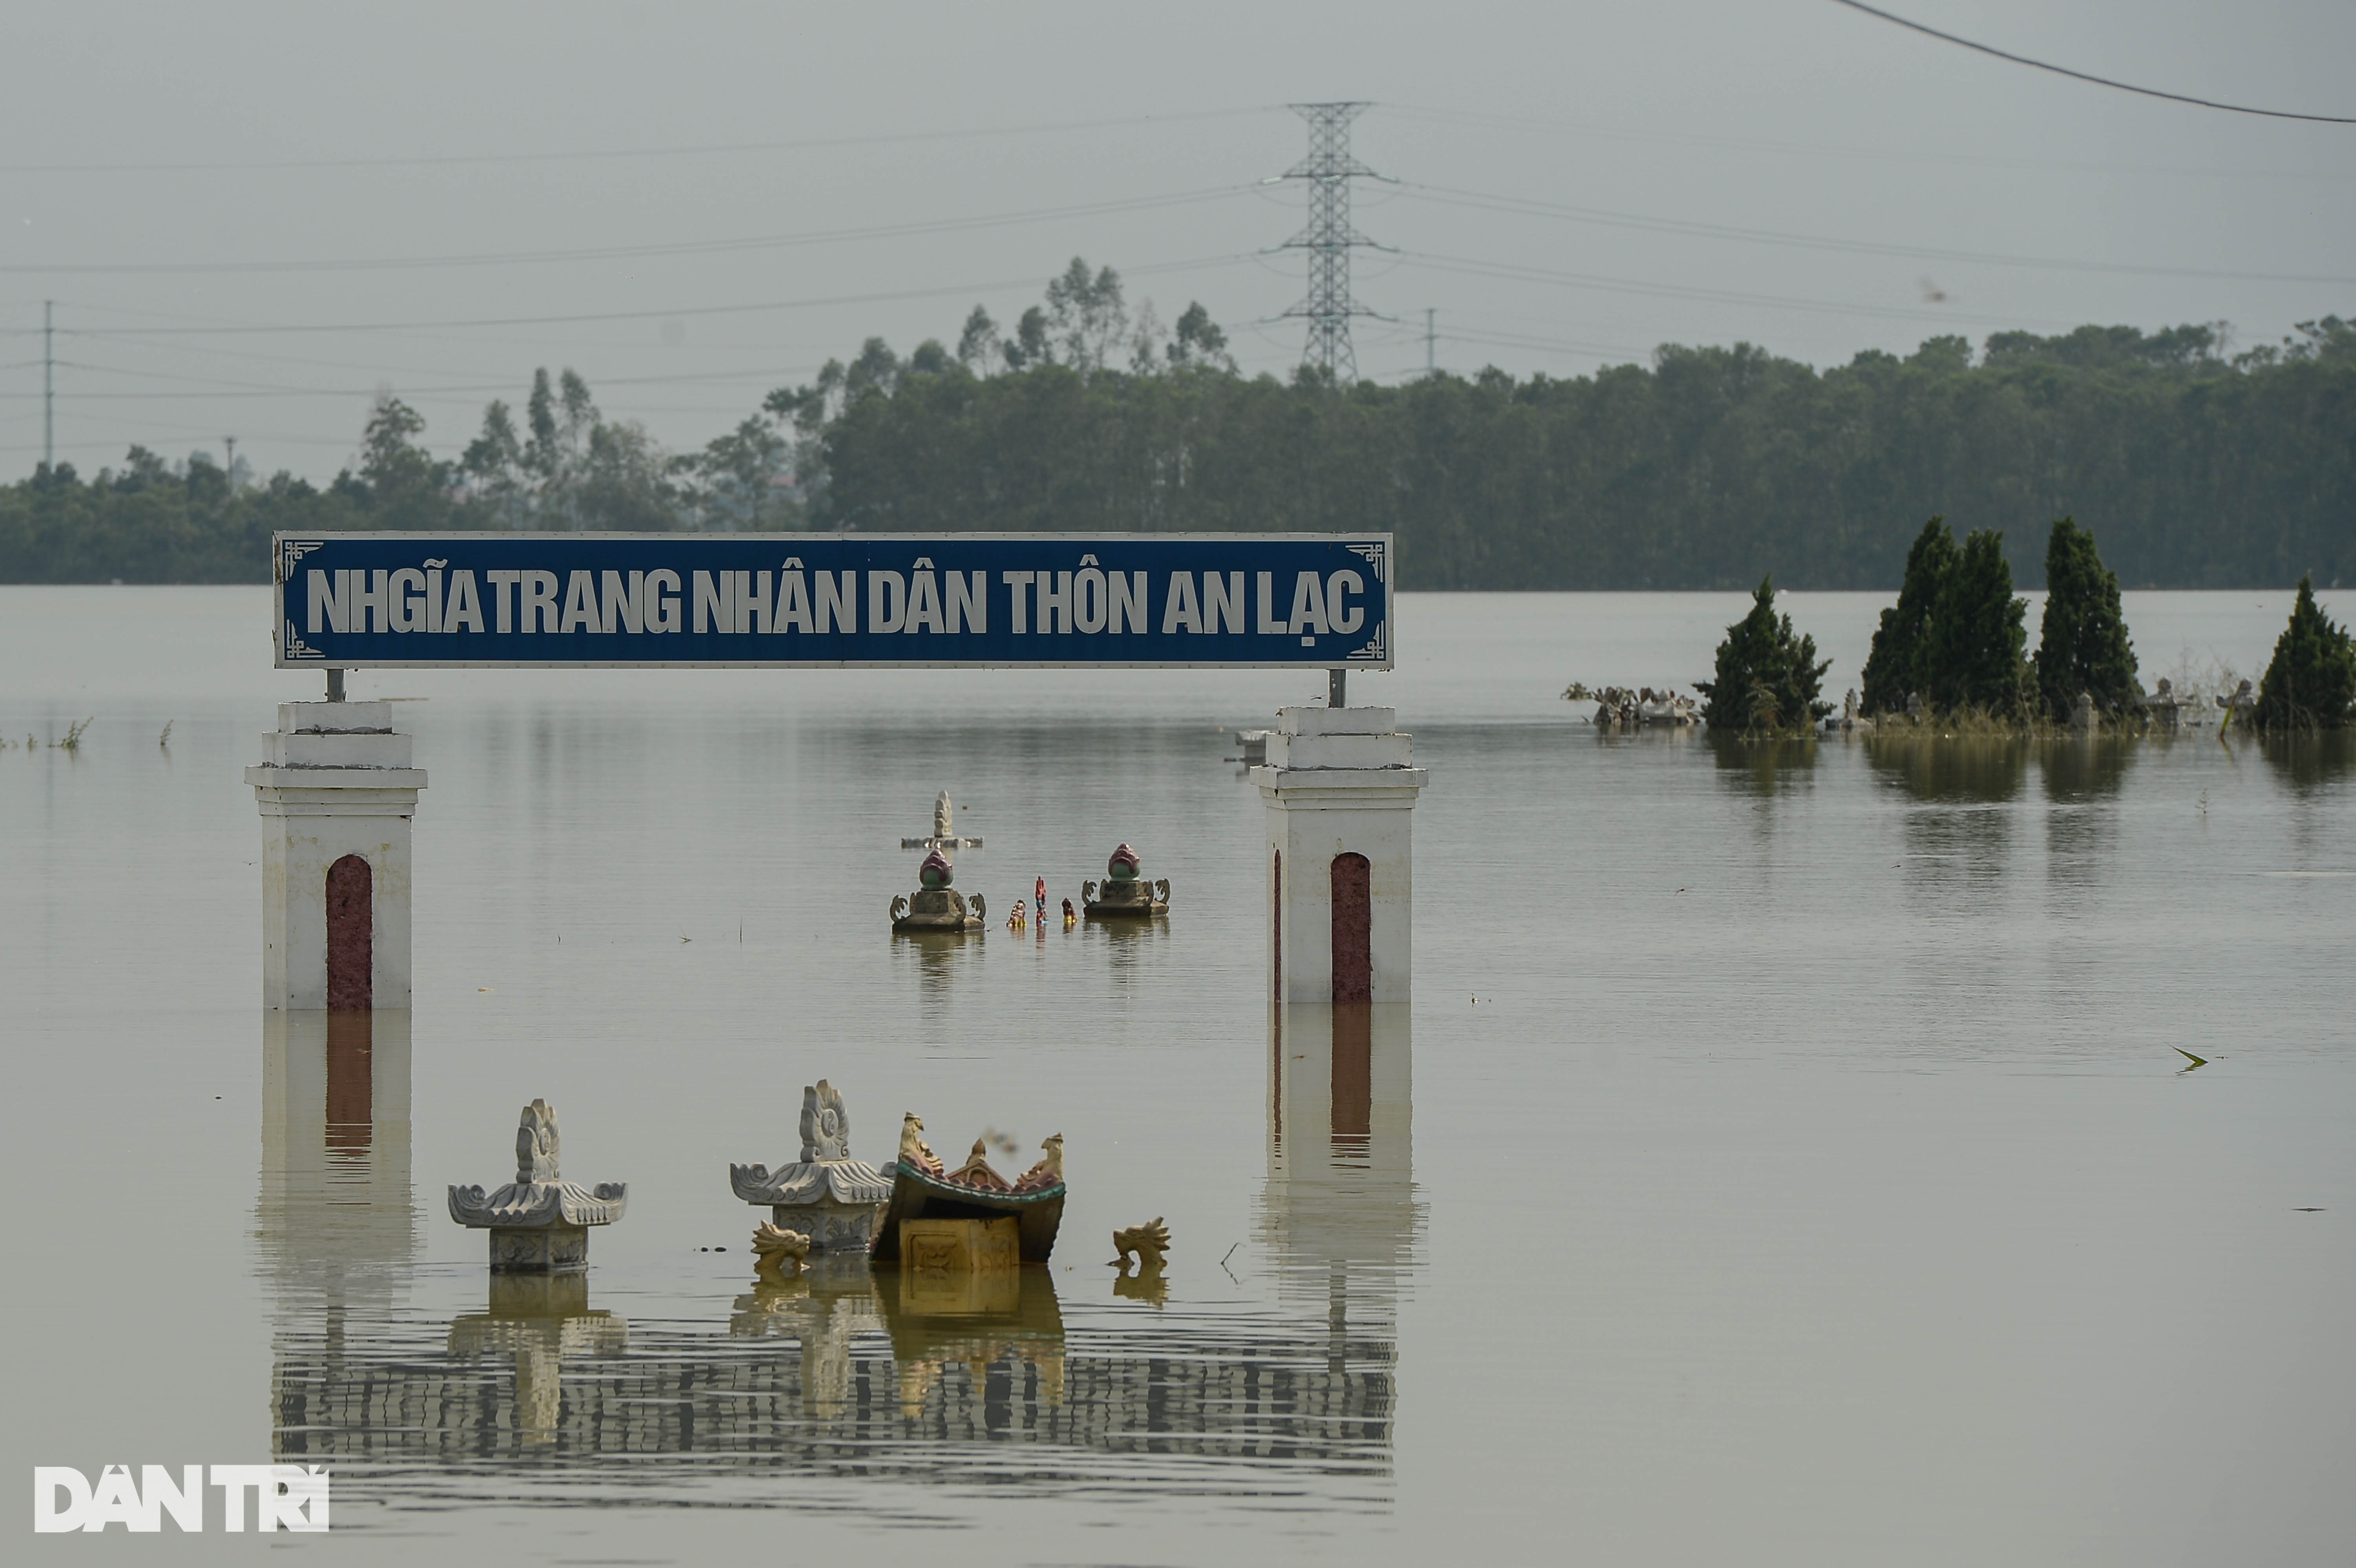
[(1787, 1157)]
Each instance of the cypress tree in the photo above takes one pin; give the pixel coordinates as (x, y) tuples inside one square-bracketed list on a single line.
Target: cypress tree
[(2310, 683), (1894, 668), (1767, 678), (1975, 656), (2082, 646)]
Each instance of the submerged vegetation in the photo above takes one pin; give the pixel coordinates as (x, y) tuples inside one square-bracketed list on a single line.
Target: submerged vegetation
[(1948, 658), (1954, 643), (1768, 675), (2083, 646), (1704, 468), (2310, 684)]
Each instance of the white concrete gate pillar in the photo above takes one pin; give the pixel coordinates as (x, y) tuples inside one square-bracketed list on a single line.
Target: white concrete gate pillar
[(1339, 784), (337, 783)]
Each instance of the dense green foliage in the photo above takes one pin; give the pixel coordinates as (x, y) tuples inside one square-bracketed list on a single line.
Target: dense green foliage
[(1893, 668), (1767, 677), (1955, 637), (149, 522), (1704, 469), (2082, 646), (1977, 656), (2310, 683)]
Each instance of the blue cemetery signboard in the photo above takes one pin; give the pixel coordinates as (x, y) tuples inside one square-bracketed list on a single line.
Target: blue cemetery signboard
[(351, 600)]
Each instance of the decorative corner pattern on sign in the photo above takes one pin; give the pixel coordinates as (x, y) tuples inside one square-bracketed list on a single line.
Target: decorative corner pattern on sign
[(293, 550)]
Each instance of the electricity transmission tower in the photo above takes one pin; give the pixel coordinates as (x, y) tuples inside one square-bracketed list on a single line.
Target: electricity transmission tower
[(1329, 168)]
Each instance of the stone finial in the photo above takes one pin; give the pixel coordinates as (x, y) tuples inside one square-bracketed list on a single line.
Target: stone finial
[(539, 1222), (826, 1196), (536, 1144), (826, 1124), (944, 816)]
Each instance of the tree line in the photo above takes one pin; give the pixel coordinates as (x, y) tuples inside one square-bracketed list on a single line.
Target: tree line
[(1955, 650), (1707, 468)]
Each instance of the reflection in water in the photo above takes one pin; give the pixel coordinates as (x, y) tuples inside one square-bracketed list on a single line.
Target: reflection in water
[(1338, 1217), (1766, 768), (1983, 770), (2087, 767), (852, 1371), (538, 1321), (2310, 763), (333, 1217), (333, 1223), (1959, 833), (2082, 776), (979, 1322), (938, 958), (1128, 942)]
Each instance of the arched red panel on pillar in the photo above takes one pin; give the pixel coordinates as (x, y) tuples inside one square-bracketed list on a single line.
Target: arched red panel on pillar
[(351, 935), (1276, 926), (1354, 919)]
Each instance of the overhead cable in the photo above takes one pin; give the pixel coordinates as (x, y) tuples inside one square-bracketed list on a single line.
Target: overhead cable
[(1450, 195), (1474, 267), (642, 253), (807, 144), (674, 312), (2097, 80)]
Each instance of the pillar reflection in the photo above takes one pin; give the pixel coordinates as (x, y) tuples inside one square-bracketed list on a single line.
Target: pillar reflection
[(334, 1227), (334, 1213), (537, 1322), (1339, 1219)]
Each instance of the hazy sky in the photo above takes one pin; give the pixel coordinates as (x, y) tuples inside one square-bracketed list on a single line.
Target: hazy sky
[(254, 217)]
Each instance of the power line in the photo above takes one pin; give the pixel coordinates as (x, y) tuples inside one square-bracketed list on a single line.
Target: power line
[(588, 155), (1329, 168), (576, 318), (641, 252), (2097, 80), (1828, 150), (1451, 197), (1475, 267)]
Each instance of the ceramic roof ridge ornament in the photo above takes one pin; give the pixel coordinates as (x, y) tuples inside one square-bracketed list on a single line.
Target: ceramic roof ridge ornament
[(826, 1195), (1125, 893), (921, 1189), (914, 1150), (539, 1222)]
